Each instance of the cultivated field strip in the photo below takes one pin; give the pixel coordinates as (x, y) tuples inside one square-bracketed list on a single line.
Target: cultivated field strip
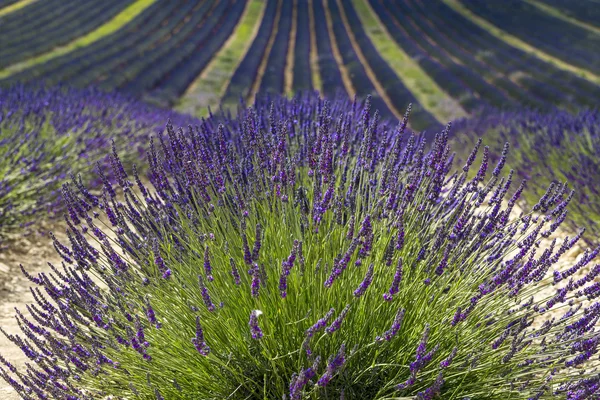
[(209, 87), (112, 26), (514, 41), (302, 73), (367, 27), (449, 58), (39, 29), (192, 56), (587, 12), (243, 78), (565, 14), (10, 6), (538, 77), (557, 37), (362, 82), (331, 78), (92, 62), (397, 94)]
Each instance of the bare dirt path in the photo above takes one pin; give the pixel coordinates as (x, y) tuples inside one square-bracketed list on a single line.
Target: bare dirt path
[(33, 253)]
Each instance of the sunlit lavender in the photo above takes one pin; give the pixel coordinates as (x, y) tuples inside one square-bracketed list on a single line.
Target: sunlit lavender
[(305, 249)]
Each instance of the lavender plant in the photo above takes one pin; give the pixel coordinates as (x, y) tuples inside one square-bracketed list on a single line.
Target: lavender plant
[(558, 147), (48, 133), (306, 250)]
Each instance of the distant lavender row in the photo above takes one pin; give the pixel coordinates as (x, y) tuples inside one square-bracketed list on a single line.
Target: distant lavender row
[(48, 133), (557, 147), (306, 250)]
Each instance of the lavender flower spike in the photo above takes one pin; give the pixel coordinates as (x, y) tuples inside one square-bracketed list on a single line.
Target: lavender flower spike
[(199, 341), (234, 272), (205, 295), (396, 325), (255, 280), (364, 285), (254, 328), (320, 324), (388, 296), (334, 364), (337, 323), (445, 363), (432, 391), (207, 266)]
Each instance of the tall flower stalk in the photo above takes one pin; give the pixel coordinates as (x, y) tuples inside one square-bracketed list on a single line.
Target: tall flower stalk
[(346, 210)]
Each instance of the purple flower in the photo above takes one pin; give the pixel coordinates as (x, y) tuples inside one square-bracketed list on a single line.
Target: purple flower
[(432, 391), (445, 363), (395, 282), (366, 232), (257, 243), (333, 365), (199, 341), (422, 358), (255, 286), (254, 328), (300, 380), (337, 323), (320, 324), (396, 325), (205, 295), (360, 290), (207, 266), (234, 272)]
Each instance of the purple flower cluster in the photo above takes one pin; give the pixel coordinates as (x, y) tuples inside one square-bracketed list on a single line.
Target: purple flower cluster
[(348, 189), (333, 365), (255, 330), (395, 282), (554, 147), (396, 325), (362, 288), (198, 340), (51, 133)]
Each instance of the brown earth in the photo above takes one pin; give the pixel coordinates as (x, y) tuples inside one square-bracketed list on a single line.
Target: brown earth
[(33, 253)]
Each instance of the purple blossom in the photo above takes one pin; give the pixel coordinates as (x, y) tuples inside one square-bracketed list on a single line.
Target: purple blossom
[(320, 324), (445, 363), (396, 325), (361, 289), (333, 366), (205, 295), (257, 242), (198, 340), (255, 286), (337, 323), (388, 296), (207, 266), (366, 232), (300, 380), (235, 272), (432, 391), (254, 328)]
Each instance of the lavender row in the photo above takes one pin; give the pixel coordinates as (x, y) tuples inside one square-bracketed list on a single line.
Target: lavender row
[(50, 133), (305, 249)]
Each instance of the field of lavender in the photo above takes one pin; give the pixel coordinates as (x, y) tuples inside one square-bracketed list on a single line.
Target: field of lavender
[(299, 199)]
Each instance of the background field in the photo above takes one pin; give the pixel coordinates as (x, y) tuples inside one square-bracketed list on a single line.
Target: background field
[(449, 58)]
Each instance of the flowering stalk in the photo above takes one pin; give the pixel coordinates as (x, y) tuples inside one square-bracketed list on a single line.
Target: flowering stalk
[(468, 270)]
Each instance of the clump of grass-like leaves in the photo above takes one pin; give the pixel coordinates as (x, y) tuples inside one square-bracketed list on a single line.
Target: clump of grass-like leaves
[(304, 250), (47, 133), (558, 147)]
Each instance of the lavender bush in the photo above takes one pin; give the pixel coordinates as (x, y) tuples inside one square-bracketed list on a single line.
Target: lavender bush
[(305, 250), (48, 133), (558, 147)]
